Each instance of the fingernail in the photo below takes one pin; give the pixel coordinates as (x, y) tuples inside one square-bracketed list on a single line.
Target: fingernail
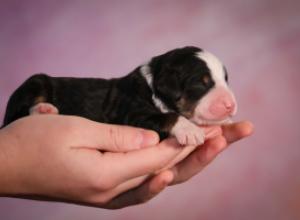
[(146, 138), (139, 138)]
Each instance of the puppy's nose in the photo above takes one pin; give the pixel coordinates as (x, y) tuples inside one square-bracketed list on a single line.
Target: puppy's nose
[(222, 108), (229, 106)]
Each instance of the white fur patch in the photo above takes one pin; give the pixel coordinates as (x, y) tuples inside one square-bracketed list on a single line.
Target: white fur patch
[(146, 73), (218, 76), (215, 66), (187, 133)]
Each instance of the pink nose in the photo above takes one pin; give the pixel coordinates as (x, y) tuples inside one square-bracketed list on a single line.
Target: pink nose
[(229, 106), (222, 108)]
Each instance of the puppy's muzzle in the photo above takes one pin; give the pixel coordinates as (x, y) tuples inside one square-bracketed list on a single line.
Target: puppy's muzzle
[(222, 106), (217, 105)]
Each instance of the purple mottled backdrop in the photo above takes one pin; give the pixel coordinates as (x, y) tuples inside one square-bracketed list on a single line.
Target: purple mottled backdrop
[(259, 41)]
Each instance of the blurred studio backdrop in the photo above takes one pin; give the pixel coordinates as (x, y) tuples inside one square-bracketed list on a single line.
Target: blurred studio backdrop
[(259, 42)]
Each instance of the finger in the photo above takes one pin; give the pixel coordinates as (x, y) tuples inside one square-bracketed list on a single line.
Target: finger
[(102, 197), (236, 131), (212, 131), (137, 163), (151, 188), (201, 157), (197, 160), (113, 138)]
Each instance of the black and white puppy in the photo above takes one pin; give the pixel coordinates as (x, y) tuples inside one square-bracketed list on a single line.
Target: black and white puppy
[(172, 94)]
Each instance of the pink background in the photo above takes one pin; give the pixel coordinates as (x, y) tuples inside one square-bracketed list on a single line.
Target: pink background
[(259, 41)]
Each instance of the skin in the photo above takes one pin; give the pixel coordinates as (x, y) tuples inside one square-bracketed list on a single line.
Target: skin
[(75, 160)]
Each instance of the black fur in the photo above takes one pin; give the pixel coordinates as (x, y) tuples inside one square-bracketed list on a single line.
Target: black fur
[(178, 80)]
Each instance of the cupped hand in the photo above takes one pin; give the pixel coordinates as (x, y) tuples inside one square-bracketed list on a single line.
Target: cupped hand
[(72, 159), (187, 168)]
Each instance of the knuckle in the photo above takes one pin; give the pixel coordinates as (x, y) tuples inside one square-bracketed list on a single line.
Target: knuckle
[(117, 137), (100, 183), (105, 185)]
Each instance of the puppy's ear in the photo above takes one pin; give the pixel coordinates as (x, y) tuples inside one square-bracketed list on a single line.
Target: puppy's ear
[(166, 80), (167, 85)]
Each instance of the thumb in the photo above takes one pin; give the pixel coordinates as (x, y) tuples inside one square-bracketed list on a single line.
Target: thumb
[(115, 138)]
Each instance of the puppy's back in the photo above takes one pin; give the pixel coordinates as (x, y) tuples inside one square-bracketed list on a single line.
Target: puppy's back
[(72, 96)]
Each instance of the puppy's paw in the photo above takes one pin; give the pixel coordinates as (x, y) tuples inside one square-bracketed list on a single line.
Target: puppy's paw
[(187, 133), (43, 108)]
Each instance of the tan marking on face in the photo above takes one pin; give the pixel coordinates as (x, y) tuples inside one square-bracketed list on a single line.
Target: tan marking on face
[(206, 80), (186, 108), (39, 99)]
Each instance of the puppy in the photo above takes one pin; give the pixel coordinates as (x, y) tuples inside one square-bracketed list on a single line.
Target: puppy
[(172, 94)]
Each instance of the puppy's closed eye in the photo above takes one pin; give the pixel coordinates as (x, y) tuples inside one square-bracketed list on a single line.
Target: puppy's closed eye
[(206, 80), (203, 83)]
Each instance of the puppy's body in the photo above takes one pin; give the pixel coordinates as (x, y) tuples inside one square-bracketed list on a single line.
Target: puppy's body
[(125, 100), (170, 94)]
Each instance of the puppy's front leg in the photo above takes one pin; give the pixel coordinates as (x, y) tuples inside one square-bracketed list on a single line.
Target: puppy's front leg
[(187, 133)]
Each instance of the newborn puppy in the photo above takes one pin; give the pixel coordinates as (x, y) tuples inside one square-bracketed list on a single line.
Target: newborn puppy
[(172, 94)]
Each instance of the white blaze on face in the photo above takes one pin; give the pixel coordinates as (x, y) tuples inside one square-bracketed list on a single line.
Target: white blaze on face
[(219, 103)]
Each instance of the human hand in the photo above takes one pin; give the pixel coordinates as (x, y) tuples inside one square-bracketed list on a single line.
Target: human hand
[(71, 159), (187, 168), (72, 174)]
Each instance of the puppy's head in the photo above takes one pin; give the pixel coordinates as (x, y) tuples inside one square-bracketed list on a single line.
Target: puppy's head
[(193, 83)]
